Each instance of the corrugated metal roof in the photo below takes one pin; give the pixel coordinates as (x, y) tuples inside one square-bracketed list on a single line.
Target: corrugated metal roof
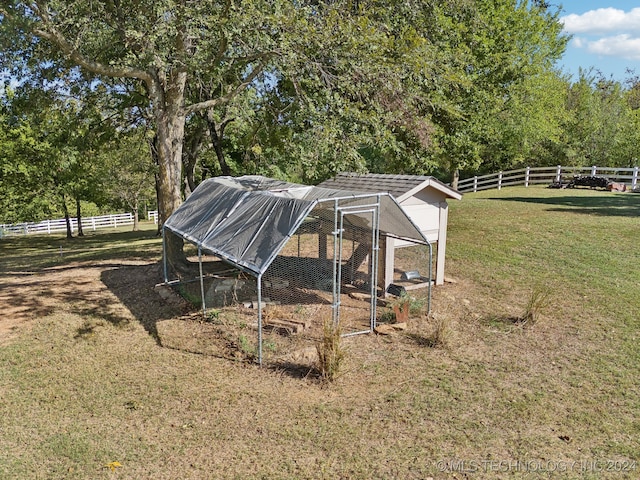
[(397, 185)]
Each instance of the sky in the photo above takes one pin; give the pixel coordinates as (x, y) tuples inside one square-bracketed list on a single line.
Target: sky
[(606, 36)]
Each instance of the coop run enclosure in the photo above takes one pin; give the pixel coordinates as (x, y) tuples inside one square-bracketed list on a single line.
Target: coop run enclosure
[(255, 243)]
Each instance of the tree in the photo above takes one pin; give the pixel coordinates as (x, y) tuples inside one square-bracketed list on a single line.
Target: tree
[(490, 55), (26, 191), (167, 46), (130, 171), (600, 129)]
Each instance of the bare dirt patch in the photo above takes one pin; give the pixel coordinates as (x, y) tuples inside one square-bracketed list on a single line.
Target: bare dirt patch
[(119, 293)]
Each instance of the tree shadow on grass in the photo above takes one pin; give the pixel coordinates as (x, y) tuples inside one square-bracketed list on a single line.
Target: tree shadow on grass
[(607, 205), (133, 285)]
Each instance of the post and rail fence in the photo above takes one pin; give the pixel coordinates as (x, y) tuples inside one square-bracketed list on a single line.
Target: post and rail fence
[(546, 175), (523, 176), (60, 225)]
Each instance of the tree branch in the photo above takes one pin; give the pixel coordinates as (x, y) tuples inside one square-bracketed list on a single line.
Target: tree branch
[(214, 102), (50, 33)]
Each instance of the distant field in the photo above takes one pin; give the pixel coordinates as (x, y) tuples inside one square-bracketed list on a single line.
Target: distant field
[(101, 378)]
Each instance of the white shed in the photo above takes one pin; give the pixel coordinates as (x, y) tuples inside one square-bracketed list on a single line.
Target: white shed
[(423, 198)]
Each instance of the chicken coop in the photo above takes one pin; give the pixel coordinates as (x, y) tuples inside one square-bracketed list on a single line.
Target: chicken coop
[(253, 242)]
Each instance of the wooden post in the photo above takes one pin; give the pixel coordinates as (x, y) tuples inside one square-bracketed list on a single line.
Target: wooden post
[(558, 174), (386, 260), (594, 169), (526, 177), (475, 183), (442, 242), (322, 243), (634, 181), (500, 181)]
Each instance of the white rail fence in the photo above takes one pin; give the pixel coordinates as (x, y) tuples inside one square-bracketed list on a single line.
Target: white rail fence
[(546, 175), (60, 225)]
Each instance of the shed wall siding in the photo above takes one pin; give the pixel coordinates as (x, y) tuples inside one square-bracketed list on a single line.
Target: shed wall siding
[(426, 217), (430, 195)]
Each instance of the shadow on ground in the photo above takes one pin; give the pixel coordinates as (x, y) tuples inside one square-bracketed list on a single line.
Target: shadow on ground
[(133, 285), (609, 204)]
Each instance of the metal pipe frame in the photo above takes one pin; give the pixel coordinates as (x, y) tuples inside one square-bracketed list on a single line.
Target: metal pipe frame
[(259, 319), (204, 306), (374, 210)]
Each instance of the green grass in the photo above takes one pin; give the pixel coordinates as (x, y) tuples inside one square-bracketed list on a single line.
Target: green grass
[(78, 391), (34, 252)]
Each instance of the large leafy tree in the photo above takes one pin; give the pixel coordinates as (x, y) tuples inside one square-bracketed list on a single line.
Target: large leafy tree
[(492, 55), (220, 47), (602, 125), (129, 171)]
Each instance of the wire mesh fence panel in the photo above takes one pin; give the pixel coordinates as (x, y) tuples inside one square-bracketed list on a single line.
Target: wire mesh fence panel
[(358, 272), (303, 279), (297, 287), (328, 270), (411, 264)]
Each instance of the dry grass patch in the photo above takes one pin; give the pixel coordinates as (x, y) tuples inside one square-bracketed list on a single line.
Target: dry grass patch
[(93, 382)]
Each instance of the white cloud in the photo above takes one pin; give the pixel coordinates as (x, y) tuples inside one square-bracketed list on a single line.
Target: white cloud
[(623, 46), (606, 32), (579, 42), (603, 20)]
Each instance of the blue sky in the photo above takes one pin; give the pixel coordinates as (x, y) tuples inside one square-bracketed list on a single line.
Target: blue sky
[(606, 36)]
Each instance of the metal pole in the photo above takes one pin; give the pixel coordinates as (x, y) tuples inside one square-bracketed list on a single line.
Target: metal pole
[(335, 267), (430, 275), (260, 319), (164, 255), (338, 283), (204, 306), (374, 260)]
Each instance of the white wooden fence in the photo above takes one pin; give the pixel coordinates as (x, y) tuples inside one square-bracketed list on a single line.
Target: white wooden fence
[(546, 175), (60, 225)]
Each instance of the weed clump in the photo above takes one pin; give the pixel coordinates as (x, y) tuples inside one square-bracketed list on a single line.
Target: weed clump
[(538, 301), (442, 332), (331, 354)]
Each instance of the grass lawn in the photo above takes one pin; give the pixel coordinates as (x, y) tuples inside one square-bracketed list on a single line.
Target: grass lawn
[(90, 387)]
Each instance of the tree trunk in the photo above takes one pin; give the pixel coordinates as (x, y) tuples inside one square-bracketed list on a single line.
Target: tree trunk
[(67, 218), (191, 150), (79, 218), (216, 140), (153, 149), (136, 217), (168, 103), (455, 179)]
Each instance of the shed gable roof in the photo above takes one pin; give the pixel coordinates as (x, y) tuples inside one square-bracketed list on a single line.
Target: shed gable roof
[(400, 186)]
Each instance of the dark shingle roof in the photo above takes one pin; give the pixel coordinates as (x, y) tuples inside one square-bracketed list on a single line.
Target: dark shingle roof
[(397, 185)]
